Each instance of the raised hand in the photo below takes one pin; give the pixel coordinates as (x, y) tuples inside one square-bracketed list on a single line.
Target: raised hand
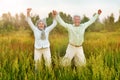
[(99, 11), (28, 11), (54, 13)]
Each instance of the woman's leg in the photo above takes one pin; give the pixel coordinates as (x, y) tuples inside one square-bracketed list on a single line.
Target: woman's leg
[(37, 57)]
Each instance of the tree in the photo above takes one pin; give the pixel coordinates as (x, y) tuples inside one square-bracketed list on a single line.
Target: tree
[(109, 23), (22, 22), (16, 22), (84, 19), (35, 18), (49, 19), (66, 18), (7, 21), (97, 26)]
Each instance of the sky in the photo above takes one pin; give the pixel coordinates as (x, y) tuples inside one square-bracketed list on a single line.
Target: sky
[(72, 7)]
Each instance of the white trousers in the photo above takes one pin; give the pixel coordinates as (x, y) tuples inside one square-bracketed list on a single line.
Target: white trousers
[(76, 53), (45, 52)]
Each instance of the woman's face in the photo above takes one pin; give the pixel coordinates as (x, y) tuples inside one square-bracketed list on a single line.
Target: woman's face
[(41, 25)]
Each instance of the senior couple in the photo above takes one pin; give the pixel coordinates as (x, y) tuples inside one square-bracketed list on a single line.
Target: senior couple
[(76, 38)]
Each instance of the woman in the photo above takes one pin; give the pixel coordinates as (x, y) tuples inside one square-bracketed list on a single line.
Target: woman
[(42, 44)]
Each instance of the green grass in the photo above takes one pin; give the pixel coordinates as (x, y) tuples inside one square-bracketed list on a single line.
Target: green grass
[(102, 51)]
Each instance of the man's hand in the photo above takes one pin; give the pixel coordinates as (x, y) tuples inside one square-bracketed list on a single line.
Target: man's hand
[(54, 13), (28, 11), (99, 11)]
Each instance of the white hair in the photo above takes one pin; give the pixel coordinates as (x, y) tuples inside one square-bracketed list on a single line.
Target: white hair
[(75, 16)]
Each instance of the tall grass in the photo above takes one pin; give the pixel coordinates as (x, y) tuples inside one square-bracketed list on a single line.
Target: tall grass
[(102, 51)]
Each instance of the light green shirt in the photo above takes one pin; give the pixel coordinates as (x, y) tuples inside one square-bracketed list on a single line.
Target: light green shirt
[(76, 34)]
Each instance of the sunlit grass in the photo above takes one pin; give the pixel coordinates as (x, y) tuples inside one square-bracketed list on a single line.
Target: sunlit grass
[(102, 51)]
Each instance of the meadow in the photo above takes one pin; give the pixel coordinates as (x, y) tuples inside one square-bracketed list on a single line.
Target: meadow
[(102, 51)]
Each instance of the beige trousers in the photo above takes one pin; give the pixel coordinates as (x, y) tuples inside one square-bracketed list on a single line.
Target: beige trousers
[(45, 52), (76, 53)]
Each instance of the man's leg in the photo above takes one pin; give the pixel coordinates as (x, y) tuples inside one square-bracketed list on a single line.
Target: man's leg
[(80, 59), (37, 57), (47, 57), (66, 61)]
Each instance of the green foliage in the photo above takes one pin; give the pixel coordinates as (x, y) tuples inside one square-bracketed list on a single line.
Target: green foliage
[(96, 27), (58, 29), (102, 51), (66, 18), (49, 20), (17, 22), (35, 18), (109, 23), (84, 19)]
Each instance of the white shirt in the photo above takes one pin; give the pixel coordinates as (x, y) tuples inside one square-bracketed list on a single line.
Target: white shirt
[(37, 34)]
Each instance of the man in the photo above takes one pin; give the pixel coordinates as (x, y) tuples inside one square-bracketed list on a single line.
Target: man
[(41, 34), (76, 38)]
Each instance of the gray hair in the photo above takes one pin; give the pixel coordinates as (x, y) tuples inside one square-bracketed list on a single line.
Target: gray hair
[(75, 16), (43, 20)]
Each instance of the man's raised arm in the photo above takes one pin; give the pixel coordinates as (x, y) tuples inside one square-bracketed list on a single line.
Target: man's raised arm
[(60, 20), (93, 19)]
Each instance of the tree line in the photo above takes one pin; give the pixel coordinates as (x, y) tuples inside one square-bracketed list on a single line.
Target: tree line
[(9, 23)]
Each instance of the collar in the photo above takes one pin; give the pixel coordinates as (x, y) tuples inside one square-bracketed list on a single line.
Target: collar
[(75, 26)]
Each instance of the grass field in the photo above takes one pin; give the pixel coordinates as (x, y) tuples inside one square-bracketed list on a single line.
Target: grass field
[(102, 51)]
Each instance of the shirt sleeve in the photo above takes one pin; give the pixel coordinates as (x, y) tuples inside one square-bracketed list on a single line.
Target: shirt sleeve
[(52, 26), (32, 26), (59, 19), (92, 20)]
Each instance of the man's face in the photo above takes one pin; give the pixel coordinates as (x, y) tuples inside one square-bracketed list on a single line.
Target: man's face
[(76, 20), (41, 25)]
